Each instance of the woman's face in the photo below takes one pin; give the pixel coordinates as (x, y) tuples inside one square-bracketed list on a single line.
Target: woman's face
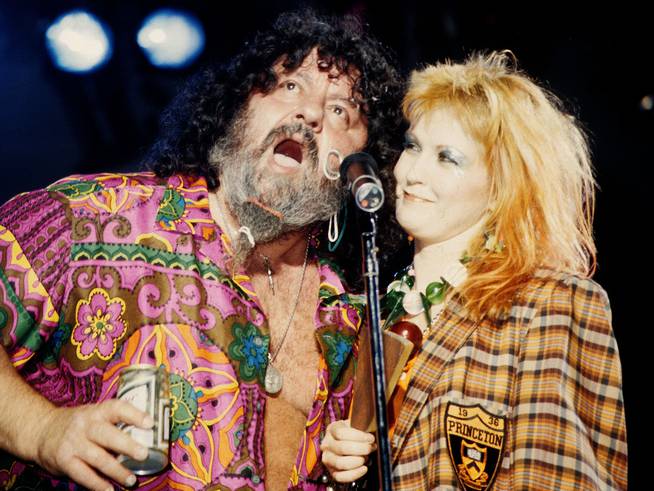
[(442, 181)]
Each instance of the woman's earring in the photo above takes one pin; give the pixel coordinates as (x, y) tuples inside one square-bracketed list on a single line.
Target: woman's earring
[(332, 176)]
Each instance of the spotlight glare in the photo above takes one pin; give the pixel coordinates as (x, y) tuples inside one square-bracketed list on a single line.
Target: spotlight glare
[(171, 38), (647, 103), (78, 42), (157, 36)]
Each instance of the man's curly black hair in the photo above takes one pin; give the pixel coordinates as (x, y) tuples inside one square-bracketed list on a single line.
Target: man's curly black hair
[(205, 109)]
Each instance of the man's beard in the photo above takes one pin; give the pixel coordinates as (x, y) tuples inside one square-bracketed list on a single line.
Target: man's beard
[(270, 205)]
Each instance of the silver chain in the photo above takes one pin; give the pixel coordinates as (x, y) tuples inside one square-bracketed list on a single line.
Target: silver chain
[(272, 357)]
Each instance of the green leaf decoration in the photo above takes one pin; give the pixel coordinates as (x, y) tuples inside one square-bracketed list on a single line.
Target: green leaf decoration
[(409, 280), (435, 292), (426, 305), (394, 309), (391, 305)]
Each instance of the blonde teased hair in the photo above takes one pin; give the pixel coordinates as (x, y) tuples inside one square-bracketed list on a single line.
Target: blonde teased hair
[(542, 191)]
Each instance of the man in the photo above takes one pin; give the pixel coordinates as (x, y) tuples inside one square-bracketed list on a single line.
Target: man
[(209, 266)]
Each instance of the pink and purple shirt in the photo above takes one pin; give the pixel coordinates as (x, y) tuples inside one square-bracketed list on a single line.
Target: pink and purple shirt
[(105, 271)]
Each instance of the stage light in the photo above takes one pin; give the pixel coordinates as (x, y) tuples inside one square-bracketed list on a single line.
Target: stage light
[(647, 103), (78, 42), (171, 38)]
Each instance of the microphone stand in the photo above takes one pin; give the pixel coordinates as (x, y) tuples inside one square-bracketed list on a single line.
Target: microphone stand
[(371, 278)]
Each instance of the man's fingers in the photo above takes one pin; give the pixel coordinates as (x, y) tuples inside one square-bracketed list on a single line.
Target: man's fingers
[(110, 437), (100, 459), (119, 411), (82, 474), (344, 432), (79, 441), (344, 468), (350, 448), (342, 463), (349, 476)]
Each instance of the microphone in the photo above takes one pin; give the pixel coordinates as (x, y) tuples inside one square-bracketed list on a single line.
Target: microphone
[(359, 175)]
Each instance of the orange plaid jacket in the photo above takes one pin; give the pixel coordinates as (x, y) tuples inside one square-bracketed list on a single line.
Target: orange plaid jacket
[(541, 389)]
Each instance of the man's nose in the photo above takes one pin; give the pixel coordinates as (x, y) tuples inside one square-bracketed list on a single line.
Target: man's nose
[(311, 112)]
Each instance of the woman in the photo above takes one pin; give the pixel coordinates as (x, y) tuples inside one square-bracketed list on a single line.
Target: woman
[(517, 383)]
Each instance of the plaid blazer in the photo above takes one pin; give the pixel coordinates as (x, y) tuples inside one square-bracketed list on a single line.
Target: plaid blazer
[(534, 400)]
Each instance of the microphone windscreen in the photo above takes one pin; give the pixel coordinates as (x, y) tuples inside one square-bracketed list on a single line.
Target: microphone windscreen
[(362, 158)]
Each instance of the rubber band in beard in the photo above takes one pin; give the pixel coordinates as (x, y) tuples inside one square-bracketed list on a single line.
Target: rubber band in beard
[(271, 205)]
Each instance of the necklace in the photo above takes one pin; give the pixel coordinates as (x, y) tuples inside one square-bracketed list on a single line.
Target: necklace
[(402, 299), (274, 380)]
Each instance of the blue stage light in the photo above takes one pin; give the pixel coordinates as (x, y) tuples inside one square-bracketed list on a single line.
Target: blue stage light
[(171, 38), (78, 42)]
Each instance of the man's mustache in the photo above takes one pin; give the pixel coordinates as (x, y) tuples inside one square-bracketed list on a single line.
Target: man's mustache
[(288, 130)]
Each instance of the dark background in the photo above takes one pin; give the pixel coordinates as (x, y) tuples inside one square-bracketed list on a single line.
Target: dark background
[(597, 59)]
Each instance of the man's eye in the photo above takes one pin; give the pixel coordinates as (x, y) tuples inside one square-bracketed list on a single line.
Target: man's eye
[(340, 112), (290, 85)]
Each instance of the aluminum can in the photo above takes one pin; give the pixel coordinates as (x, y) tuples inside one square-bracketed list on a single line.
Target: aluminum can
[(147, 388)]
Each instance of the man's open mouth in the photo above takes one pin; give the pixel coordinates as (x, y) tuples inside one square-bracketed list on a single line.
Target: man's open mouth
[(288, 153)]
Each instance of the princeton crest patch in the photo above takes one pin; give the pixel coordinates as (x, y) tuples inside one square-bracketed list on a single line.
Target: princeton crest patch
[(475, 439)]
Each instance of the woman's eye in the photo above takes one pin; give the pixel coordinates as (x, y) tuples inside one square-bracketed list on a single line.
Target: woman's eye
[(446, 157), (409, 145), (339, 111)]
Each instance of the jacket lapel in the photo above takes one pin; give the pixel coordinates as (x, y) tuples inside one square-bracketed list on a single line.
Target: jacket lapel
[(446, 339)]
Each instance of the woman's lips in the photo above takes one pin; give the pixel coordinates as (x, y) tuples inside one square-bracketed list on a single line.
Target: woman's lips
[(414, 198)]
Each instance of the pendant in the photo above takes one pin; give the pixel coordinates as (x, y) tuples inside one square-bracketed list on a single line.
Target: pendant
[(274, 381), (271, 281), (412, 303)]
